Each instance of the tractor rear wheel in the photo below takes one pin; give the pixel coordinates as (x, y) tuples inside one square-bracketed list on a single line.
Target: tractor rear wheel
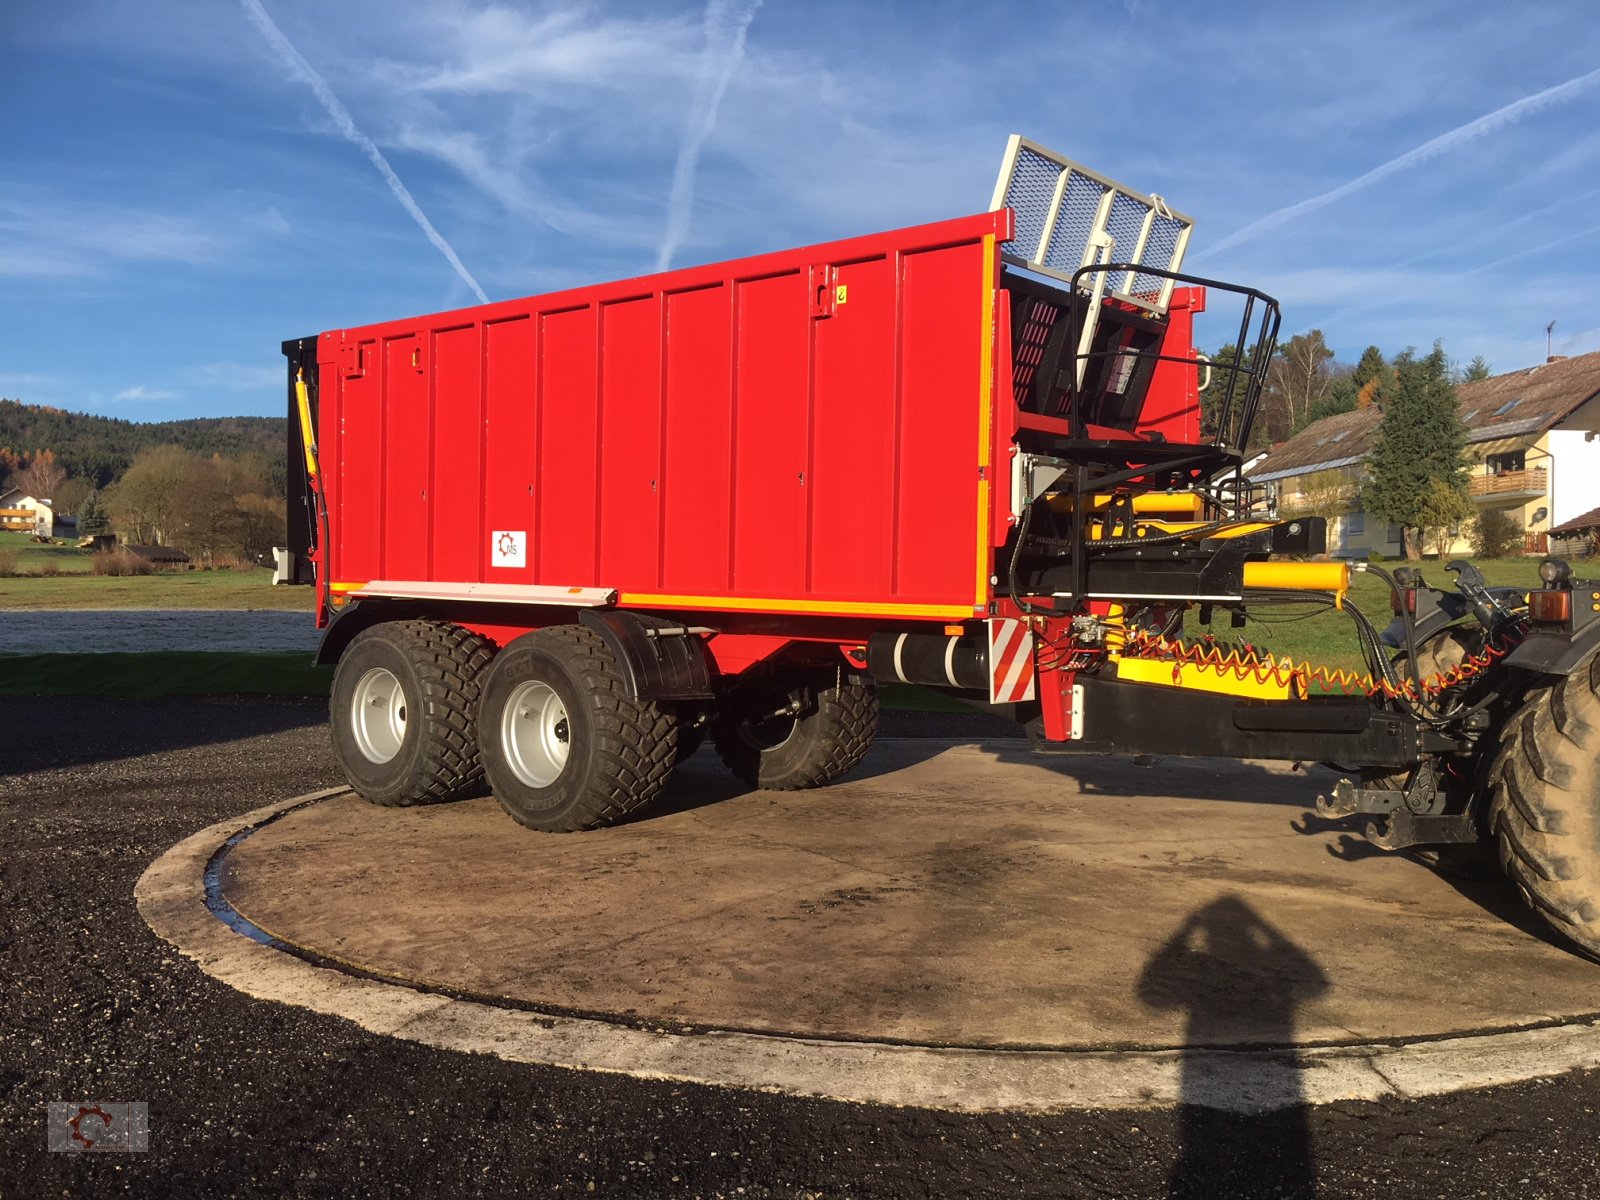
[(787, 730), (403, 712), (565, 746), (1545, 803)]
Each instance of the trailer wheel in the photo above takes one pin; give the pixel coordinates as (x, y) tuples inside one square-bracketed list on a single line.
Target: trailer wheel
[(1545, 803), (564, 745), (403, 711), (781, 751)]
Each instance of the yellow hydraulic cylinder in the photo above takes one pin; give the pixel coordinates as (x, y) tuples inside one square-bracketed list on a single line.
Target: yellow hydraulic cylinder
[(1144, 503), (1299, 576)]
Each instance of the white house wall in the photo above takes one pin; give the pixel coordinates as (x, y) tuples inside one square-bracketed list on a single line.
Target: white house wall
[(1576, 485)]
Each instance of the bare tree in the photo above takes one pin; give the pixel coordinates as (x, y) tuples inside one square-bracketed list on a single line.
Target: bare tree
[(42, 476)]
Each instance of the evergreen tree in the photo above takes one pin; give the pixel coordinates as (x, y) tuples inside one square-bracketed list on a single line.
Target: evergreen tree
[(1420, 442), (91, 515), (1372, 366), (1477, 371)]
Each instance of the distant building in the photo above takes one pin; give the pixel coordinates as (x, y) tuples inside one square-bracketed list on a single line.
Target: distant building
[(1533, 449), (29, 514), (161, 556)]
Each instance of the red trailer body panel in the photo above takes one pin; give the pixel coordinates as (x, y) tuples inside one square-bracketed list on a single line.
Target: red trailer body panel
[(805, 432)]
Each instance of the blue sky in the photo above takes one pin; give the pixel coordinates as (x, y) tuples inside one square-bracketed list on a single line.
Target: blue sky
[(176, 198)]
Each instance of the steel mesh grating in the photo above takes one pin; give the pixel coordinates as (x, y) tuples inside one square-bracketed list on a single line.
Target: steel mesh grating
[(1080, 212), (1032, 189), (1143, 230), (1161, 250)]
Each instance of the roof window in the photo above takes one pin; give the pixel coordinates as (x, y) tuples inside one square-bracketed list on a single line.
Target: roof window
[(1508, 406)]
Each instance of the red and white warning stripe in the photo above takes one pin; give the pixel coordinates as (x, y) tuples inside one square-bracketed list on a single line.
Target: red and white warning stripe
[(1010, 661)]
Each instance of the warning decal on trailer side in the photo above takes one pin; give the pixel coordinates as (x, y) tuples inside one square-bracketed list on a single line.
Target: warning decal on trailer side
[(1010, 661)]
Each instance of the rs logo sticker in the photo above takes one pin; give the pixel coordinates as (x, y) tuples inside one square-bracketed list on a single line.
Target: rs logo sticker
[(508, 548)]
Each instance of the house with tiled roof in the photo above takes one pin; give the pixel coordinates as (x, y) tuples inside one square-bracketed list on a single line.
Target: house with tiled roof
[(1533, 450)]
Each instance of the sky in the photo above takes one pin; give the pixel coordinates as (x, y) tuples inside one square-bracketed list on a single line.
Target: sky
[(186, 183)]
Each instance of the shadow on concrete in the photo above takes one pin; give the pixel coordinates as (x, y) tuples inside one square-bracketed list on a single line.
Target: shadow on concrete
[(1225, 779), (1243, 1125)]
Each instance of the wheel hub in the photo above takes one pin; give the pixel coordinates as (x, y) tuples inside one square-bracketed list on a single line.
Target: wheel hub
[(535, 734), (378, 715)]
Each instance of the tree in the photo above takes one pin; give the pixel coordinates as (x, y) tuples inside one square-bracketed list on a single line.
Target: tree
[(1442, 506), (42, 476), (91, 515), (70, 496), (1298, 378), (1420, 440), (1326, 494), (1494, 534), (142, 503), (1229, 369), (1477, 370), (1372, 365)]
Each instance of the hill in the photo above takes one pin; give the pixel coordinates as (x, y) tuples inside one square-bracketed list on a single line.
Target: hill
[(100, 448)]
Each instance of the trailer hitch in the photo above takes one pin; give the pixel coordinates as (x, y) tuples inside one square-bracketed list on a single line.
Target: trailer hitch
[(1412, 820)]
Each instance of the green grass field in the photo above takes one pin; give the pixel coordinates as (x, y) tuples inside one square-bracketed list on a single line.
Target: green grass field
[(1327, 638), (1330, 637), (76, 587)]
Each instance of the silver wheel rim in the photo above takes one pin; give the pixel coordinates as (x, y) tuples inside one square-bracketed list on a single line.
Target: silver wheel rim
[(378, 715), (535, 734)]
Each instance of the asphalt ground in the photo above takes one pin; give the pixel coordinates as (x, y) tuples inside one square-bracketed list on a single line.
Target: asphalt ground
[(249, 1098)]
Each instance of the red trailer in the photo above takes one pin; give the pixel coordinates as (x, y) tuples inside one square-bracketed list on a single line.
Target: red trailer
[(558, 540)]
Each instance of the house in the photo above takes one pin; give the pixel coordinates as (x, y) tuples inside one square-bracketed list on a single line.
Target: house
[(26, 513), (1579, 536), (1533, 451)]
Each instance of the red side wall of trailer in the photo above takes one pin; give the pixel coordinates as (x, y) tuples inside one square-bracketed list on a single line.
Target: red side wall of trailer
[(809, 431)]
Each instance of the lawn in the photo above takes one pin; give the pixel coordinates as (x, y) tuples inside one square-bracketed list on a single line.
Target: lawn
[(1327, 638), (1330, 637), (74, 587)]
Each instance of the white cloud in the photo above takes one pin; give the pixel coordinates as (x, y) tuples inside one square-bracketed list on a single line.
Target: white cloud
[(139, 392), (726, 22), (236, 377), (347, 126), (1489, 123)]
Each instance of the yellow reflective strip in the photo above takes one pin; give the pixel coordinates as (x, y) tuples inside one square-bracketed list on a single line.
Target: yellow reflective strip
[(985, 419)]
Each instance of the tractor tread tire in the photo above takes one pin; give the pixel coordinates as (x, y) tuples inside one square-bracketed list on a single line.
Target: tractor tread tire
[(635, 745), (449, 663), (1545, 804), (831, 741)]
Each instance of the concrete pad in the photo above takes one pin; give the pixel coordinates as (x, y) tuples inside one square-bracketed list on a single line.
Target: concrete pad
[(953, 895), (958, 925)]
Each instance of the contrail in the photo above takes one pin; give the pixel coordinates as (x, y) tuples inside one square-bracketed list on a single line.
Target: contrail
[(341, 117), (726, 22), (1487, 123)]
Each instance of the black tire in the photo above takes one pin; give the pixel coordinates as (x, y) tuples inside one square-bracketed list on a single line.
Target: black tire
[(1545, 803), (403, 712), (831, 734), (564, 745)]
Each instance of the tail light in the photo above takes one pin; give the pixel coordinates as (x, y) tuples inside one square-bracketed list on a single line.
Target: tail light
[(1550, 608), (1403, 600)]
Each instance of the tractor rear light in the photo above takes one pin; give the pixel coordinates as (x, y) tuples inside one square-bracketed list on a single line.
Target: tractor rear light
[(1403, 600), (1551, 608), (1554, 571)]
